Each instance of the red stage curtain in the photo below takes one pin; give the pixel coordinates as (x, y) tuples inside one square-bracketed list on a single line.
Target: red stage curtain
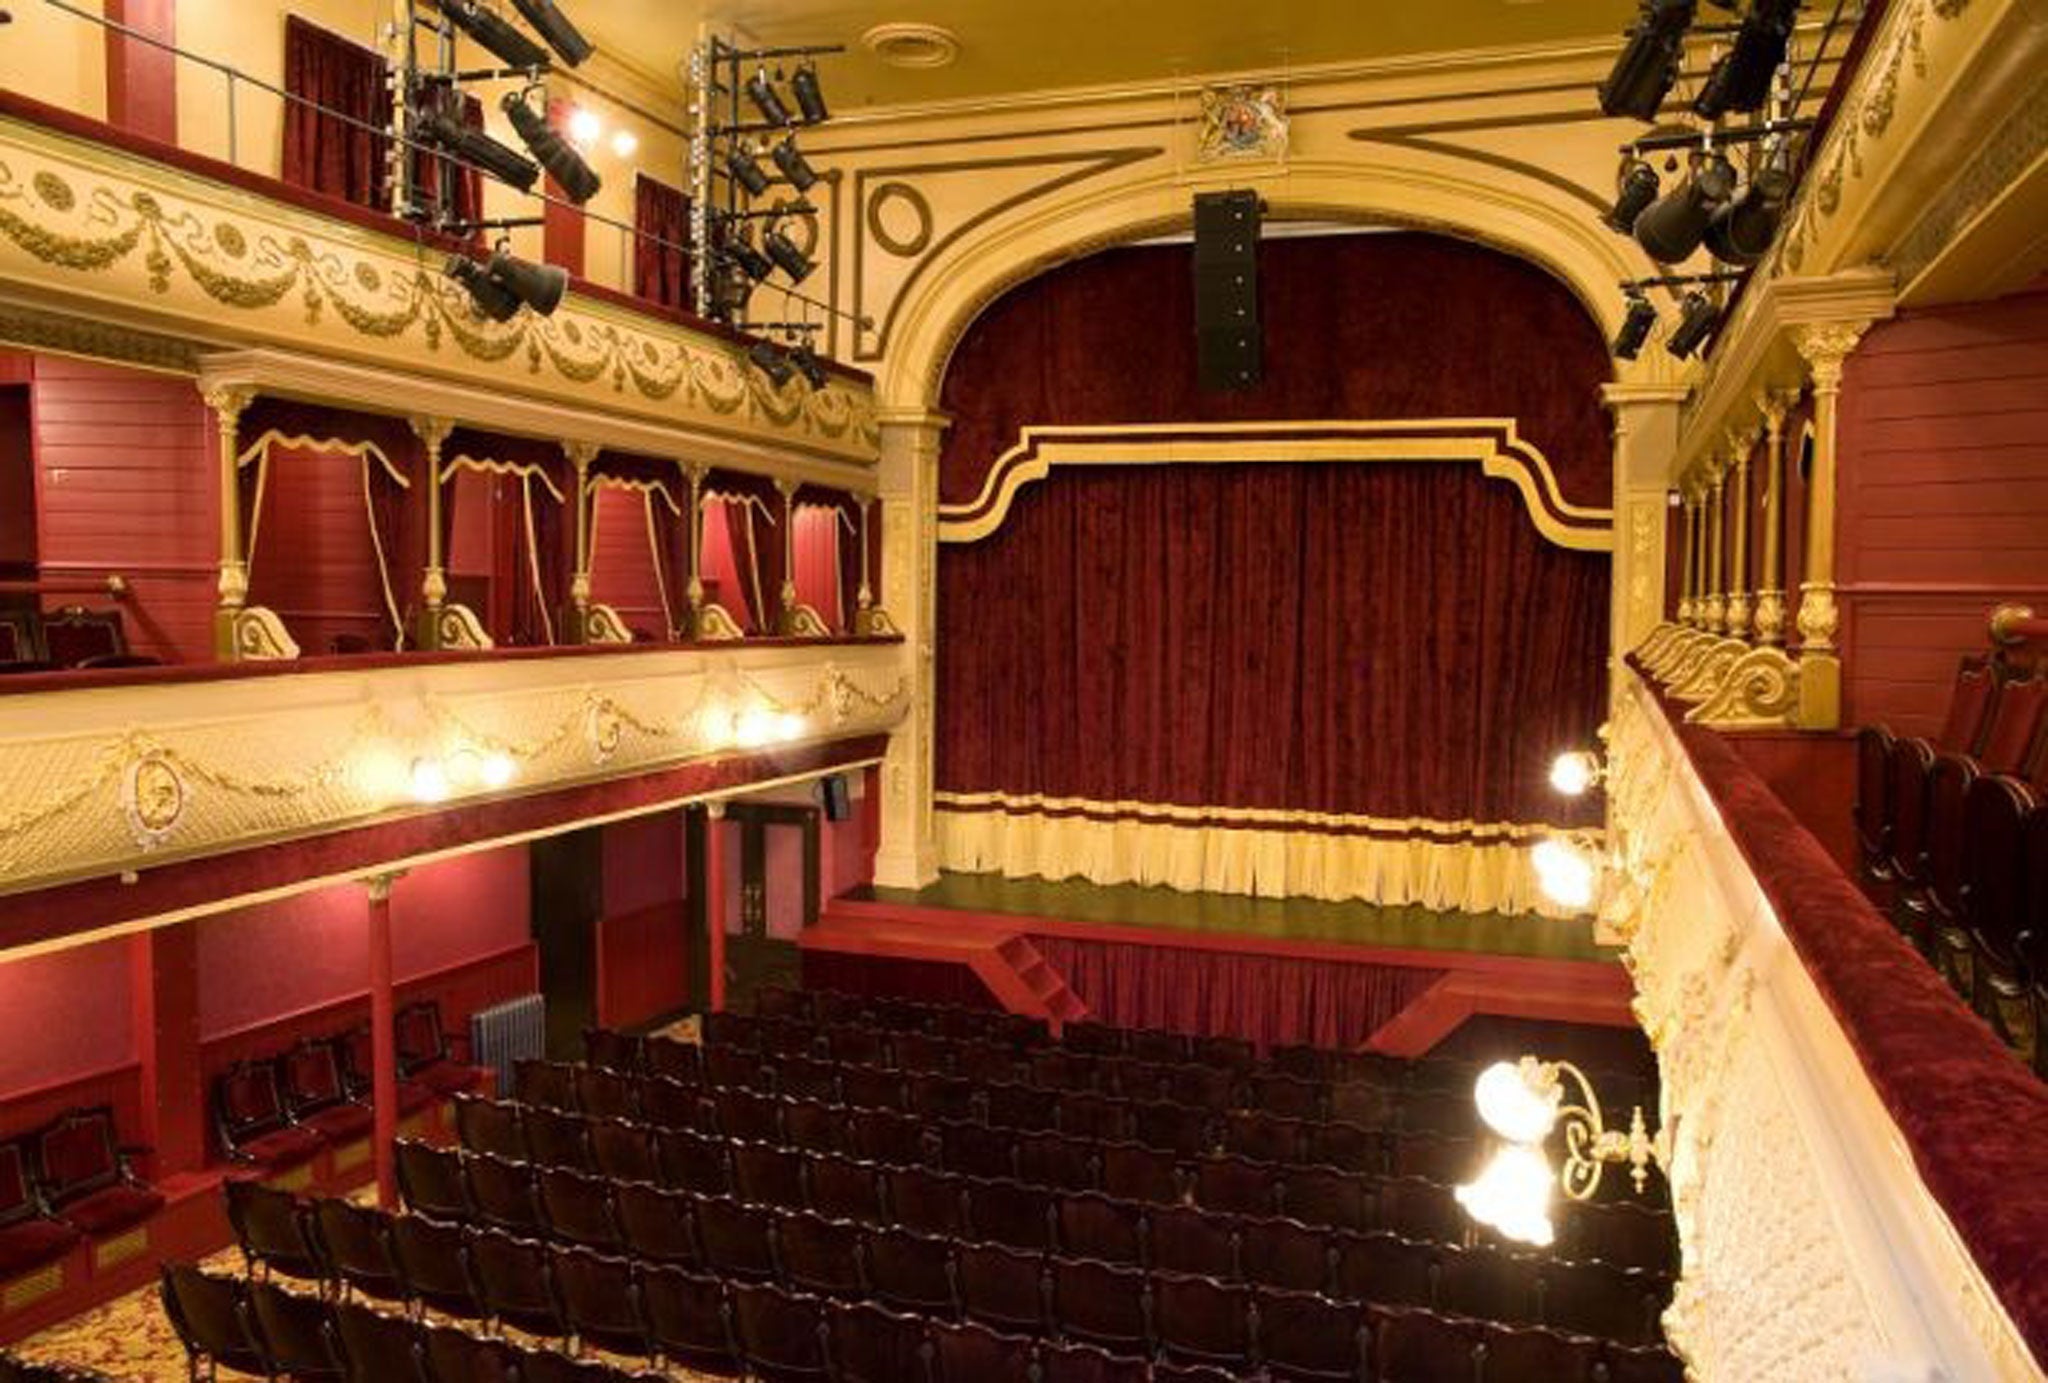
[(661, 275), (1271, 1000), (724, 560), (1385, 639), (1385, 326), (323, 152)]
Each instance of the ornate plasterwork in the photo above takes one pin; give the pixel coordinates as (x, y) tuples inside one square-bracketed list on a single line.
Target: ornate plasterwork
[(1812, 1250), (140, 240), (215, 772)]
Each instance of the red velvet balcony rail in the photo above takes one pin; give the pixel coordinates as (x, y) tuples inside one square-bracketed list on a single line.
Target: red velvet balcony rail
[(1974, 1119)]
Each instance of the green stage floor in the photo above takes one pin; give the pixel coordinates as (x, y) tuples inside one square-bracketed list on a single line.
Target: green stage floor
[(1296, 919)]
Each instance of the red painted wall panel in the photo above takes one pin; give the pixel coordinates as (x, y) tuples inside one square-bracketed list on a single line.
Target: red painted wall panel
[(643, 967), (315, 560), (643, 862), (1944, 496), (126, 483), (142, 79), (622, 570), (310, 950), (66, 1016)]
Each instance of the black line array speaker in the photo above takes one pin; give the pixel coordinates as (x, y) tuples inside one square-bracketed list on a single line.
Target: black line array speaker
[(1230, 351)]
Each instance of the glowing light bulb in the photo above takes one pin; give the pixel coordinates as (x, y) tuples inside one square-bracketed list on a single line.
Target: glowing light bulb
[(1516, 1102), (1565, 875), (465, 769), (624, 143), (1574, 773), (755, 727), (789, 726), (429, 780), (1513, 1195), (381, 774), (497, 769), (584, 126)]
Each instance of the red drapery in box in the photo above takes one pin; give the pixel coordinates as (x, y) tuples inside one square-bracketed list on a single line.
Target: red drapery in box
[(1271, 1000), (334, 79), (1387, 639)]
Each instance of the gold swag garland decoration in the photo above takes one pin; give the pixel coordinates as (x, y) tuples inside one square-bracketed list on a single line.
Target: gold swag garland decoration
[(386, 297)]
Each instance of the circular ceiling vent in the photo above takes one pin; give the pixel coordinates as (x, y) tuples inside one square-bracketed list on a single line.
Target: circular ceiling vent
[(912, 45)]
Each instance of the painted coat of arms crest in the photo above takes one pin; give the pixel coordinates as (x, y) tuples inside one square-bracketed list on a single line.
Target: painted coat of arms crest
[(1243, 122)]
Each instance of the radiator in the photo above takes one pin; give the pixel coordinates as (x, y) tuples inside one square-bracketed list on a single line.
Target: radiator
[(516, 1030)]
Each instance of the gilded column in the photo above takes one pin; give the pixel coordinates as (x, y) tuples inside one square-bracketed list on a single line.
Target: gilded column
[(693, 523), (432, 432), (227, 403), (1770, 596), (909, 857), (1687, 605), (869, 617), (1717, 535), (1820, 663), (1738, 575), (581, 455), (796, 620)]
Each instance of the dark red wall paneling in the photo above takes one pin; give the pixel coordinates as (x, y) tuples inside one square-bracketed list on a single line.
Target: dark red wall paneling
[(1372, 327), (127, 465), (622, 570), (315, 562), (1943, 497)]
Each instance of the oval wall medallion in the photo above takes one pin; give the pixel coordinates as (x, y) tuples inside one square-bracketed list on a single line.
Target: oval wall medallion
[(900, 219)]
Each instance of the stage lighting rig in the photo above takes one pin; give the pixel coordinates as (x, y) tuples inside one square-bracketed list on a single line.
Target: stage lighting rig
[(502, 285), (1638, 186), (507, 165), (772, 361), (1742, 77), (1648, 66), (545, 143), (1671, 228), (495, 32), (554, 26), (1697, 318), (1742, 231), (1635, 327)]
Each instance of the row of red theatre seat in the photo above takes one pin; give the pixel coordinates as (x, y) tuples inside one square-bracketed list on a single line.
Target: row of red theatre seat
[(68, 1181), (274, 1113), (1430, 1134), (1952, 838), (681, 1311), (891, 1018), (825, 1203), (258, 1327)]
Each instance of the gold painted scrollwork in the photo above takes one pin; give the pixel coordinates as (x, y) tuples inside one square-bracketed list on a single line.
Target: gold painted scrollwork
[(456, 626), (602, 624), (804, 622), (259, 636), (715, 625), (1704, 675), (1758, 690)]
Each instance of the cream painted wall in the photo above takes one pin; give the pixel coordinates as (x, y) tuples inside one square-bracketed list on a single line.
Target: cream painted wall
[(51, 56), (60, 59)]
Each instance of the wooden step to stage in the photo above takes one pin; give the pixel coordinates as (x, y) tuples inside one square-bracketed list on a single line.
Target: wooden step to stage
[(1004, 960)]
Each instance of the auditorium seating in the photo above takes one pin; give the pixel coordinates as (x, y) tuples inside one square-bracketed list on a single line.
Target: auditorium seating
[(1953, 841), (14, 1369), (66, 1181), (70, 637)]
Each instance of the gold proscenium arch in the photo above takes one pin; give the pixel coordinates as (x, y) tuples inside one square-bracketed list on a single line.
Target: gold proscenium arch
[(1491, 443), (1424, 189)]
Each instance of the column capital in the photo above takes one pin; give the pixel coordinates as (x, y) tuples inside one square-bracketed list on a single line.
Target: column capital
[(378, 886), (429, 429), (1776, 405), (228, 400), (714, 809), (581, 454), (1824, 346)]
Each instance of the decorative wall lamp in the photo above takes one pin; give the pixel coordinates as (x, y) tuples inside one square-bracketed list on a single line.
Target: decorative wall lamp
[(1525, 1102), (1577, 772), (1566, 874)]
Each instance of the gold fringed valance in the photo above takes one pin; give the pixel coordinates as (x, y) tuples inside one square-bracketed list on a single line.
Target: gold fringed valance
[(1466, 866)]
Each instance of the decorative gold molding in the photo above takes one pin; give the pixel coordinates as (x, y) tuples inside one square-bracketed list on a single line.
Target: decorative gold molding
[(1758, 689), (139, 243), (215, 771), (602, 624), (457, 627), (259, 636), (1491, 442), (714, 624)]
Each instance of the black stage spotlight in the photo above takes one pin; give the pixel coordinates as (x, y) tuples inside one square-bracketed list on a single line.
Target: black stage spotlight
[(1743, 230), (562, 36), (492, 298), (563, 163), (807, 364), (1638, 189), (491, 29), (745, 171), (766, 99), (769, 359), (810, 97), (794, 165), (786, 255), (751, 261), (1648, 65), (1740, 78), (474, 146), (1697, 318), (1673, 226), (1635, 328)]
